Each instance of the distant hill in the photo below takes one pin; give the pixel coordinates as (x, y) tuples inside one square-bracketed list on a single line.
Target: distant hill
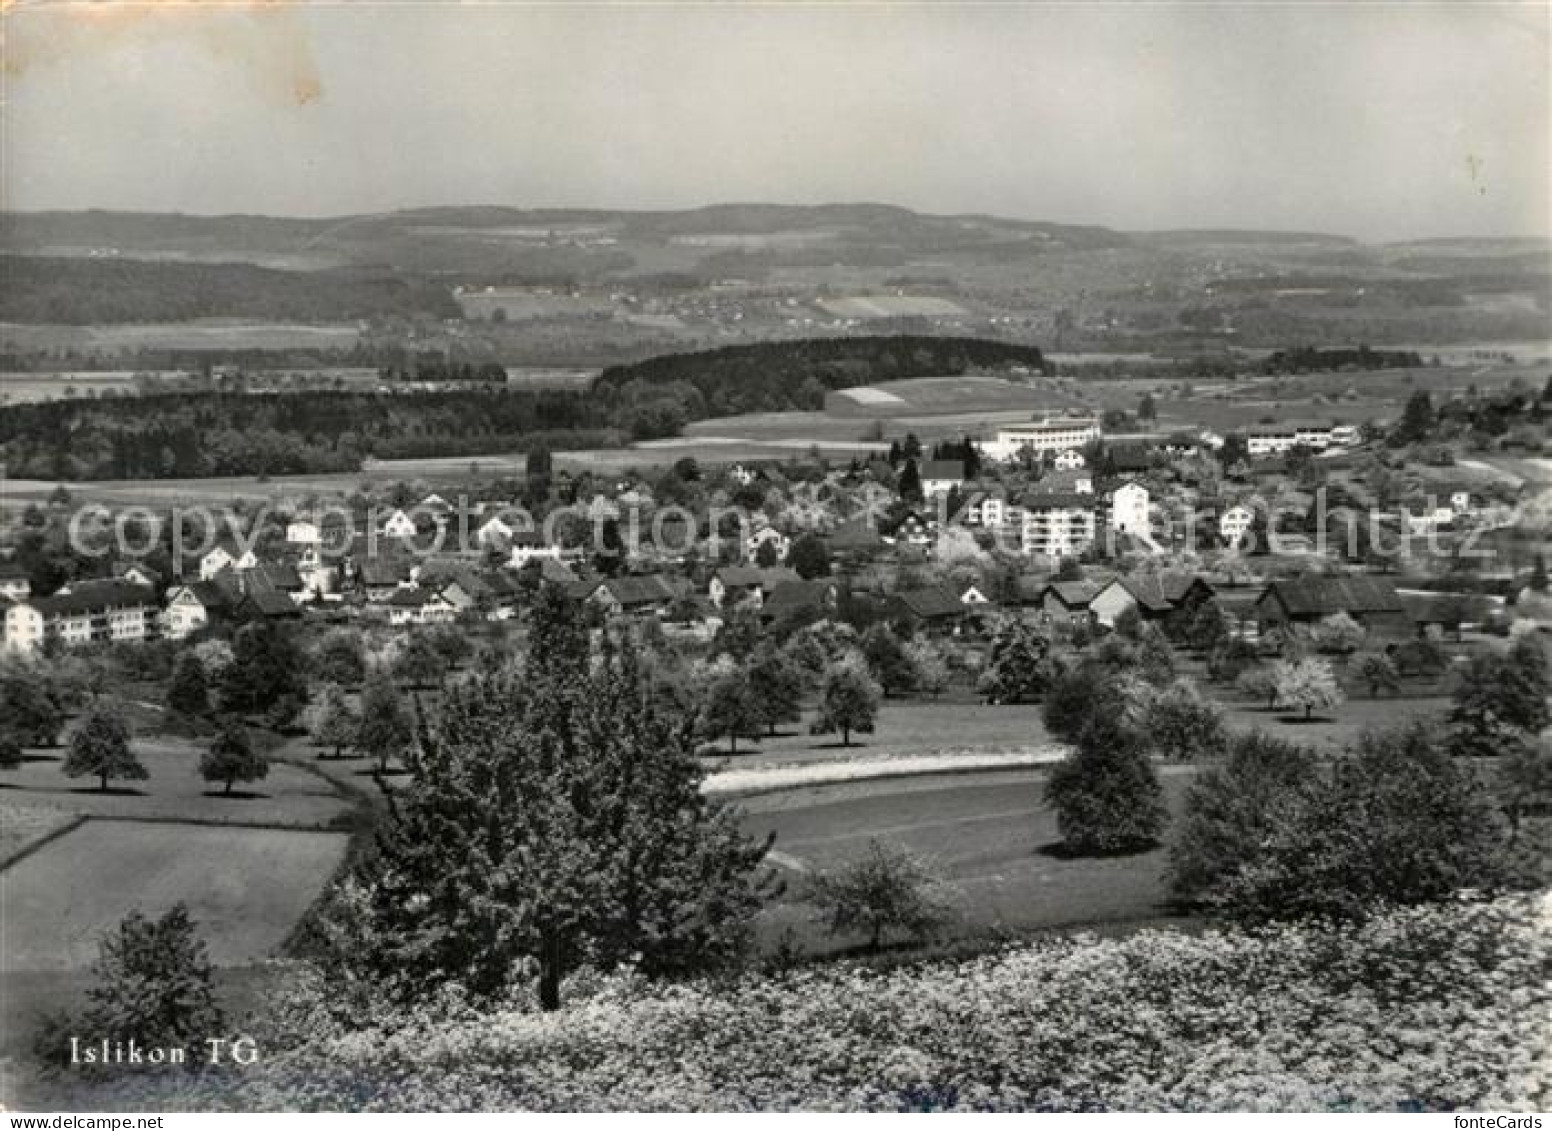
[(79, 292), (515, 245)]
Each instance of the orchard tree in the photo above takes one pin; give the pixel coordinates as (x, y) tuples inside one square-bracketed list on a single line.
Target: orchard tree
[(1500, 701), (27, 709), (1339, 633), (777, 685), (1305, 685), (809, 556), (1020, 667), (231, 758), (848, 700), (188, 693), (339, 659), (100, 748), (419, 663), (267, 673), (930, 665), (730, 707), (887, 890), (1106, 794), (152, 986), (1377, 671), (386, 729), (335, 725), (1177, 722), (887, 660), (554, 818)]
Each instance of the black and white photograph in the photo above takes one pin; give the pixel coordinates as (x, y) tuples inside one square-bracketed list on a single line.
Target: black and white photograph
[(775, 557)]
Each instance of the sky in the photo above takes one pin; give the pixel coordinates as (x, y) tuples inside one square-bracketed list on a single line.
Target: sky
[(1380, 121)]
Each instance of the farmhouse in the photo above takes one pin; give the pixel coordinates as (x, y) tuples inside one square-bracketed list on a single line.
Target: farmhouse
[(734, 585), (934, 608), (1066, 600), (1154, 596), (637, 595), (1371, 601), (800, 600), (193, 606)]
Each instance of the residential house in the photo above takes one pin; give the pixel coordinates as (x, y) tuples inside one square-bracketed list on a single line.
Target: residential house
[(1066, 600), (25, 624), (192, 606), (940, 476), (1234, 524), (1129, 510), (798, 600), (1069, 460), (735, 585), (419, 604), (633, 595), (226, 554), (1154, 596), (14, 582), (530, 545), (766, 536), (933, 608)]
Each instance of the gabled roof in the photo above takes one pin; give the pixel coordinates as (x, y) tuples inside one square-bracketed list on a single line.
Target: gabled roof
[(95, 596), (797, 596), (1072, 594), (270, 603), (1058, 500), (1322, 596), (752, 577), (942, 469), (411, 597), (931, 603), (638, 589), (854, 534), (377, 571)]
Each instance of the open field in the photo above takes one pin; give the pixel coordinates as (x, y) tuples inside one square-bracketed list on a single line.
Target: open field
[(200, 334), (22, 826), (1330, 731), (907, 727), (987, 837), (245, 887), (289, 796)]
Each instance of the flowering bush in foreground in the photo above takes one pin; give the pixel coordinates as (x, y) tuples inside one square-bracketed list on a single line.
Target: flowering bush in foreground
[(1424, 1008)]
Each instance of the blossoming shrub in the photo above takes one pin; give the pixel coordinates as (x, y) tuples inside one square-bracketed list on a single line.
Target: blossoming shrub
[(1426, 1008)]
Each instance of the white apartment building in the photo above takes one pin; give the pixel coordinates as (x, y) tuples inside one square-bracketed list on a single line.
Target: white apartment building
[(1053, 434), (1057, 525), (1277, 439)]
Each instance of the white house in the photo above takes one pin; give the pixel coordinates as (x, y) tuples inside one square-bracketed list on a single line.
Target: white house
[(529, 545), (940, 476), (1235, 523), (398, 525), (14, 583), (494, 531), (24, 625), (1129, 509), (1070, 460), (186, 612), (226, 557), (984, 510), (767, 536)]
